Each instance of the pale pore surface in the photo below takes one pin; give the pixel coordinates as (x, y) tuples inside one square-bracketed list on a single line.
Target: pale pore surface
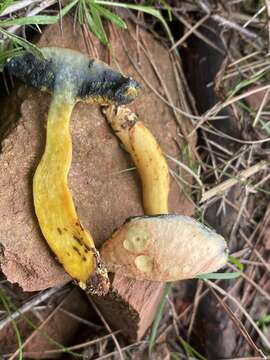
[(178, 248)]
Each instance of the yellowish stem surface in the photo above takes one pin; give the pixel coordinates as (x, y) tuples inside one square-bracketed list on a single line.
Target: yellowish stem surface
[(147, 156), (55, 210)]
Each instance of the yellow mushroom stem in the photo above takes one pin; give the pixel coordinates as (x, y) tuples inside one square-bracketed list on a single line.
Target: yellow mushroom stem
[(55, 210), (147, 156)]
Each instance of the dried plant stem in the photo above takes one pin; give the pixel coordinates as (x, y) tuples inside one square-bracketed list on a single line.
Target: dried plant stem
[(118, 347), (189, 32), (263, 103), (18, 6), (267, 6), (227, 184), (252, 282), (29, 305), (253, 323), (74, 347)]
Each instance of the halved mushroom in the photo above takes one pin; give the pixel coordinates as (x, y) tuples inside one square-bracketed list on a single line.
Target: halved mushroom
[(164, 248), (71, 77)]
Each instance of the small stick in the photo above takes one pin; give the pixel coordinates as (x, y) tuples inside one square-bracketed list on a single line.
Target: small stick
[(267, 5), (29, 305), (108, 328), (238, 304), (227, 184), (265, 98)]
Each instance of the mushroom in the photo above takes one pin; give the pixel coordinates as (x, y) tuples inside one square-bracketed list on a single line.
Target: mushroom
[(164, 247), (147, 156), (70, 77)]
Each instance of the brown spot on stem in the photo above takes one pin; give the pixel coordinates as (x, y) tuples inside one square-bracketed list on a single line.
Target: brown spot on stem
[(77, 223), (84, 258), (77, 250), (87, 247), (59, 231), (79, 241)]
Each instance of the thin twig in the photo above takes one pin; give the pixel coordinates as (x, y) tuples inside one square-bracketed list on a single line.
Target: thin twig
[(267, 6), (230, 24), (227, 184), (264, 100), (233, 299), (45, 295), (190, 32), (121, 356), (18, 6)]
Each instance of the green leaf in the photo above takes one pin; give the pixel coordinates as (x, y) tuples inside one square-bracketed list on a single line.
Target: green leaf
[(241, 85), (30, 20), (95, 23), (110, 16), (39, 19), (17, 40), (80, 11), (168, 8), (5, 4), (219, 276), (153, 334), (236, 262), (191, 351), (264, 320), (146, 9)]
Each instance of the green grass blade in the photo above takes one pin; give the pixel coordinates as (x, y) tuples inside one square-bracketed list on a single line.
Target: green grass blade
[(5, 4), (114, 18), (97, 25), (5, 54), (10, 307), (236, 262), (146, 9), (168, 8), (191, 351), (244, 83), (264, 321), (19, 41), (5, 302), (39, 19), (153, 334), (219, 276)]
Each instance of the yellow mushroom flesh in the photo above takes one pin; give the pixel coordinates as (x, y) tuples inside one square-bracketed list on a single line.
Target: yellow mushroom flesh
[(146, 155), (54, 206), (71, 77)]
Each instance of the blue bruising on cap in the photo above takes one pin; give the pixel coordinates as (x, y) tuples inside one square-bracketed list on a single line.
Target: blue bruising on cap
[(84, 79)]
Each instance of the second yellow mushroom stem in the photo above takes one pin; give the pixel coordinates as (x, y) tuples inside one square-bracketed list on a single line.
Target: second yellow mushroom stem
[(146, 155)]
